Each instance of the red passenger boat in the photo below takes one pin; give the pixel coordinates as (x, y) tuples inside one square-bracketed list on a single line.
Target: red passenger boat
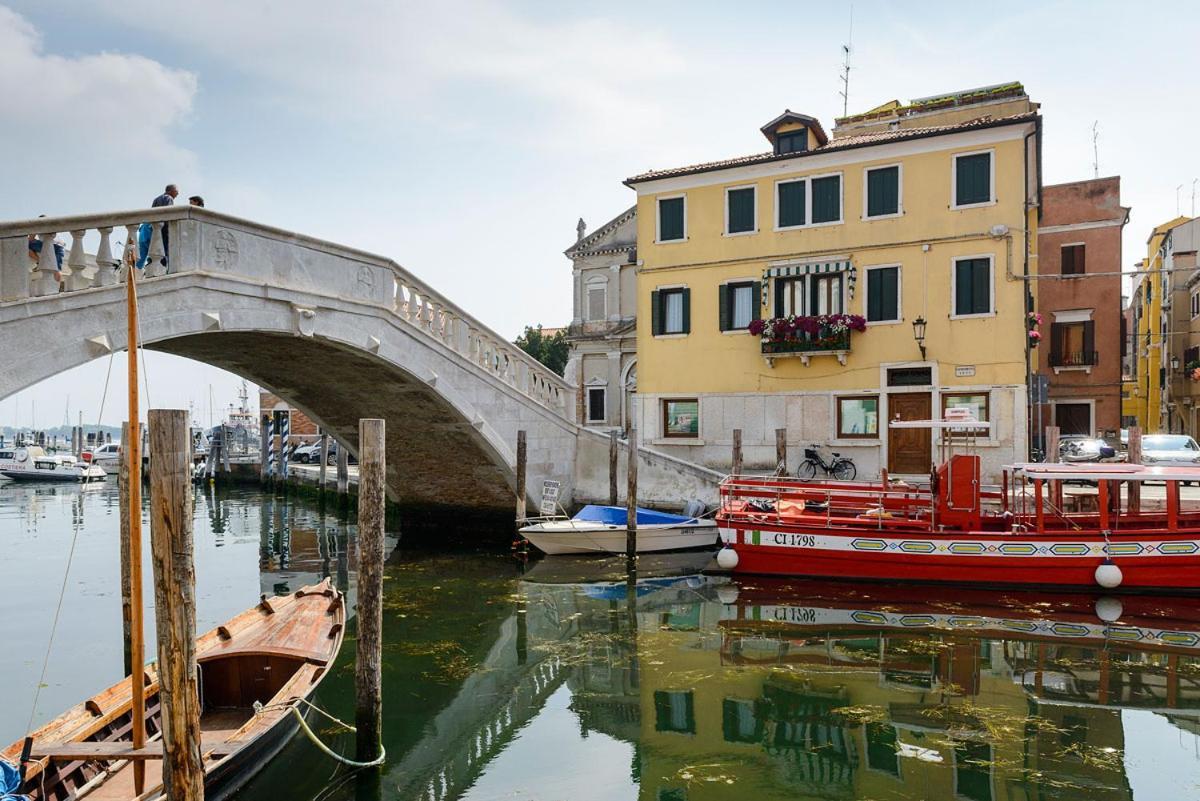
[(954, 531)]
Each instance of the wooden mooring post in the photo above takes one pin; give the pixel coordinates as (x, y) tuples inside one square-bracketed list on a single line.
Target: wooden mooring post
[(175, 603), (614, 448), (1051, 440), (1134, 456), (631, 497), (522, 456), (126, 602), (368, 676), (343, 475), (781, 451), (736, 466), (263, 450), (322, 481)]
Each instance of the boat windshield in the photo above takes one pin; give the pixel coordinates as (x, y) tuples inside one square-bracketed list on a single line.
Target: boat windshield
[(1170, 442)]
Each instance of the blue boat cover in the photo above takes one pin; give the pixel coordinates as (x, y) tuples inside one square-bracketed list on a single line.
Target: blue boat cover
[(616, 516), (10, 781)]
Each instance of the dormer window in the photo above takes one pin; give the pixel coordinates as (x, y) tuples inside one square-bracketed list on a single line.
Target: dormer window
[(792, 142)]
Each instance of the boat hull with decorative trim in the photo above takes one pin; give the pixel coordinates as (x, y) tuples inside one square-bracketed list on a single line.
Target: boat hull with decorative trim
[(602, 529)]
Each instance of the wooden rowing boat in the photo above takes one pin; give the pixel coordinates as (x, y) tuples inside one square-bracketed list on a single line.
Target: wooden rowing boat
[(274, 655)]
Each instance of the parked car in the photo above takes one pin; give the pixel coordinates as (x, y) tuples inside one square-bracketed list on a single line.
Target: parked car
[(1170, 450), (308, 452), (1077, 448)]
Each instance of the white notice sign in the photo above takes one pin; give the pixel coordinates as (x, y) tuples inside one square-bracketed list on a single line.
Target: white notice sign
[(549, 498), (964, 371)]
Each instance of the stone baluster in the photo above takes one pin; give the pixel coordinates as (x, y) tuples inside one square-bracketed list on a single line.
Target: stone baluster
[(435, 319), (45, 275), (78, 276), (415, 302), (398, 305), (130, 255), (105, 263), (156, 253)]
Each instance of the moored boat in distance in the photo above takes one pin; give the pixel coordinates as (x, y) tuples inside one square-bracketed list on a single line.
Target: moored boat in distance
[(956, 532), (601, 529), (254, 671), (33, 463)]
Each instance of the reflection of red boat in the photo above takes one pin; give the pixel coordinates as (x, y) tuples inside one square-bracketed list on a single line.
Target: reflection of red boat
[(956, 532)]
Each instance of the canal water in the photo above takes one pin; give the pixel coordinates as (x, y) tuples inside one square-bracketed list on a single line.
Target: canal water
[(560, 679)]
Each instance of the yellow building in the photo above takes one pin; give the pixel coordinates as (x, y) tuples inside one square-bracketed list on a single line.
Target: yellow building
[(920, 220), (1151, 285)]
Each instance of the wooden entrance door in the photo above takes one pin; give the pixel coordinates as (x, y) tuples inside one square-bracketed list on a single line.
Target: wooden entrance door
[(1073, 418), (910, 449)]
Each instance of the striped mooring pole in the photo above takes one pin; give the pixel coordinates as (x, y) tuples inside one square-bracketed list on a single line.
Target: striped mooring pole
[(285, 447)]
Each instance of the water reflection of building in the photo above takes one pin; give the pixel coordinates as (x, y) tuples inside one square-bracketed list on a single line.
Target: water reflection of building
[(771, 697)]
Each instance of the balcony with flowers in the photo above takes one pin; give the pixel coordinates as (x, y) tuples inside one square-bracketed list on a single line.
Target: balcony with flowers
[(807, 336)]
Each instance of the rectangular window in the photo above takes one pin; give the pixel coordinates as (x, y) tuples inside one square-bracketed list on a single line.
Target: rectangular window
[(1195, 304), (595, 404), (858, 417), (672, 225), (597, 302), (790, 203), (975, 402), (739, 304), (972, 286), (789, 296), (739, 724), (910, 377), (674, 711), (681, 418), (827, 199), (881, 748), (825, 294), (739, 210), (1073, 344), (883, 294), (972, 179), (972, 771), (670, 311), (1072, 260), (883, 191), (792, 142)]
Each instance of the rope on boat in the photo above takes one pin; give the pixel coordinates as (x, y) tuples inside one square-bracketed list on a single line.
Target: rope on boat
[(259, 708)]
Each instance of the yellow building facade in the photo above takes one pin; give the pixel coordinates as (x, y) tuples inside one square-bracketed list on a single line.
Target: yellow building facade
[(907, 221)]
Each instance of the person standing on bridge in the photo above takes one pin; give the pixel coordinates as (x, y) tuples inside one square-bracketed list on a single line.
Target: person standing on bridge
[(167, 198)]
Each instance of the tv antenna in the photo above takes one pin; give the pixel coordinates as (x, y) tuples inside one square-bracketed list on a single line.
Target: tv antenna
[(1095, 149), (845, 93)]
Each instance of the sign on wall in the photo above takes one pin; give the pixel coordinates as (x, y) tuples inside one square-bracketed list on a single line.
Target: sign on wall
[(964, 371)]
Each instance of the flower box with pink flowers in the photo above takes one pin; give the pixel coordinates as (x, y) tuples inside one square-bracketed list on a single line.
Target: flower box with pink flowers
[(808, 335)]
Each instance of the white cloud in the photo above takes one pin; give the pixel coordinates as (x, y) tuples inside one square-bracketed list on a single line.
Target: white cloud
[(86, 125)]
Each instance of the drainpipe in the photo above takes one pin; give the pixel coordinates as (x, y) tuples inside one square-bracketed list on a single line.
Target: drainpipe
[(1027, 294)]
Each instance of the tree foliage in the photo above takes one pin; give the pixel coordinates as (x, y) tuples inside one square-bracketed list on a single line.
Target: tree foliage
[(551, 350)]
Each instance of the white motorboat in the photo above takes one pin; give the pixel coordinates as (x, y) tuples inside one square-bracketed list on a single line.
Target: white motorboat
[(601, 529), (32, 463)]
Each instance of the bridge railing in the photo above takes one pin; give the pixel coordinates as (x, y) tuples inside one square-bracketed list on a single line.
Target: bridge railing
[(175, 239)]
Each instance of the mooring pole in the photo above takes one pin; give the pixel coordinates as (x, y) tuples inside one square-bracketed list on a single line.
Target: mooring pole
[(613, 450), (175, 603), (123, 491), (343, 475), (522, 456), (368, 694), (1133, 501), (133, 455), (781, 451), (324, 462), (736, 468), (631, 498)]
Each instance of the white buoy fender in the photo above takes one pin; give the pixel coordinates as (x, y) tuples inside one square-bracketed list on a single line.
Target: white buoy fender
[(727, 559), (1108, 575), (727, 594), (1109, 609)]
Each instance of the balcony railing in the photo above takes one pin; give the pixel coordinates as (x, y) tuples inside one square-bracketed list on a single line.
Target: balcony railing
[(1082, 358), (805, 346)]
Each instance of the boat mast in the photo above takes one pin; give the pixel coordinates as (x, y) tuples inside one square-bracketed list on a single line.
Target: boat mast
[(133, 452)]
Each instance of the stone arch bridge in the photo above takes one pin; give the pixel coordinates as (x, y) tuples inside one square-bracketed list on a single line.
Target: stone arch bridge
[(340, 333)]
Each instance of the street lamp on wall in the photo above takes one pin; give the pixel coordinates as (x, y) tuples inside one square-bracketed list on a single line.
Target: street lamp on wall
[(919, 334)]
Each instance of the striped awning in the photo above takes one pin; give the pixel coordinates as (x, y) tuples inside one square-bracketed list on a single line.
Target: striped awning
[(786, 270)]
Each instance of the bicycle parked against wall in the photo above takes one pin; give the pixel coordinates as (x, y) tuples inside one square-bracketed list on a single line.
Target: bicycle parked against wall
[(840, 467)]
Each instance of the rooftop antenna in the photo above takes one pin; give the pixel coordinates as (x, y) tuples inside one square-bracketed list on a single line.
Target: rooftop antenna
[(1095, 149), (845, 93)]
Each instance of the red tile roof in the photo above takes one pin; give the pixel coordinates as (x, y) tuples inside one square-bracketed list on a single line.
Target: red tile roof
[(841, 143)]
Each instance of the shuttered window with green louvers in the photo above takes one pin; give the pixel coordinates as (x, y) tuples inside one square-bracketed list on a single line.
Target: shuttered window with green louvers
[(738, 304), (973, 179), (883, 294), (741, 210), (670, 311), (827, 199), (670, 219), (883, 191), (973, 286), (790, 197)]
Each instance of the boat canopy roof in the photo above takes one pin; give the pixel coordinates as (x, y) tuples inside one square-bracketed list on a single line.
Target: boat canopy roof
[(616, 516), (1117, 471)]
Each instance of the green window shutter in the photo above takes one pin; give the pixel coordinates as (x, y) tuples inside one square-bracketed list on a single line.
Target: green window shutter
[(962, 287), (670, 219), (687, 311), (827, 199), (756, 301), (1089, 341), (741, 210), (791, 203), (883, 191), (874, 295), (656, 316), (780, 285), (982, 290), (723, 306), (1056, 344), (973, 179)]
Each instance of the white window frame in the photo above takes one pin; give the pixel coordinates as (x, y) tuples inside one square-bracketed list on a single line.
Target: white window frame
[(899, 293), (991, 257), (1064, 245), (587, 402), (899, 192), (666, 288), (991, 201), (595, 282), (658, 240), (808, 223), (1195, 304), (730, 284), (729, 189)]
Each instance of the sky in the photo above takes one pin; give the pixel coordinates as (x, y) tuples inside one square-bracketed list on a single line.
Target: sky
[(464, 138)]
